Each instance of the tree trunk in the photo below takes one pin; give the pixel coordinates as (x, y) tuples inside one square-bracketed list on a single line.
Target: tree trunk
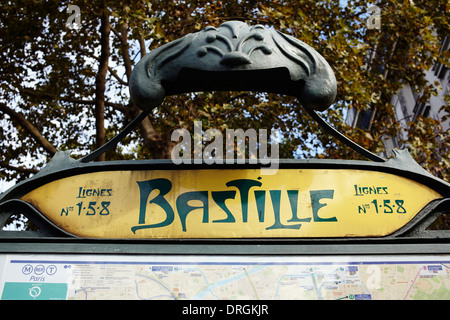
[(100, 81)]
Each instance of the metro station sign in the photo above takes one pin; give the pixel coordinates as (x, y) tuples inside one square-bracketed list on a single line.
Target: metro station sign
[(231, 203)]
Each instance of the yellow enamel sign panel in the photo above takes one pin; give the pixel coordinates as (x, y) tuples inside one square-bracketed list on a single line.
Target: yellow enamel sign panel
[(238, 203)]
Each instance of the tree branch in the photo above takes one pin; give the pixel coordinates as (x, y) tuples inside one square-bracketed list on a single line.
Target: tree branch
[(117, 106), (125, 48), (31, 129), (142, 46), (114, 30), (6, 165), (115, 75)]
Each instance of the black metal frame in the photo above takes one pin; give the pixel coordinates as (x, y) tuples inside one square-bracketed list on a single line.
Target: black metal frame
[(63, 166)]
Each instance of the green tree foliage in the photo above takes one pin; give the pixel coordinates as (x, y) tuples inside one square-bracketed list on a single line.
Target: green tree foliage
[(63, 88)]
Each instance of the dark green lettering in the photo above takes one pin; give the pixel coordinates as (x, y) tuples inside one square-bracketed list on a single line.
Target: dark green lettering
[(260, 197), (145, 188), (219, 197), (275, 195), (184, 208), (244, 186), (316, 196), (293, 200)]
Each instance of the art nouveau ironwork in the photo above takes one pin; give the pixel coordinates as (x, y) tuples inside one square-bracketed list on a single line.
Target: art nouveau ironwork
[(307, 199)]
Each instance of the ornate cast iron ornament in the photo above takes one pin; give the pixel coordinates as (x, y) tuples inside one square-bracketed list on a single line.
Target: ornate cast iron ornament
[(233, 56)]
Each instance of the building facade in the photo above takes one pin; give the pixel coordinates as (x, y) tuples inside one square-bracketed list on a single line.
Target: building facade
[(408, 107)]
